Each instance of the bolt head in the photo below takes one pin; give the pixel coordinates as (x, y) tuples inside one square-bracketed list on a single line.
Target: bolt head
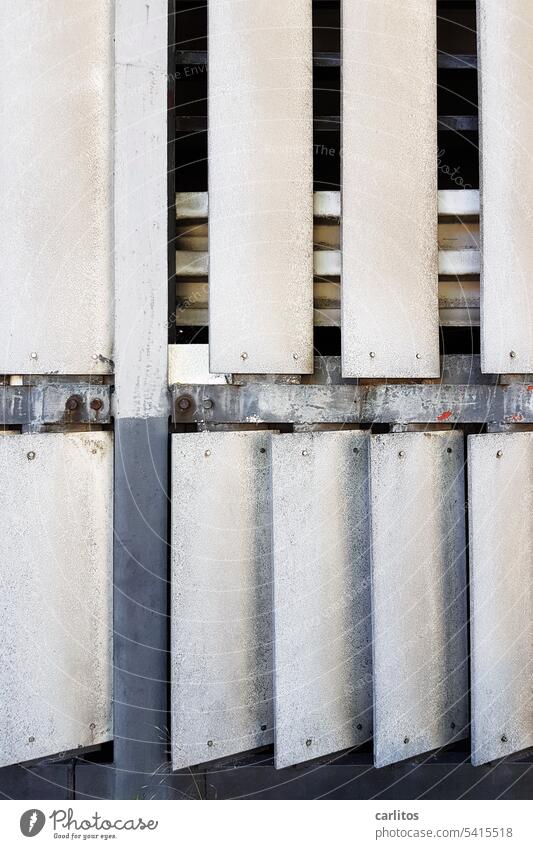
[(31, 455), (71, 403), (372, 355), (295, 356), (263, 728), (308, 742), (401, 454), (499, 454), (95, 356), (359, 726), (512, 354), (419, 356), (244, 355), (406, 740), (504, 738), (31, 739), (207, 453), (210, 743), (184, 403), (92, 726), (33, 355), (208, 404), (305, 453), (97, 404)]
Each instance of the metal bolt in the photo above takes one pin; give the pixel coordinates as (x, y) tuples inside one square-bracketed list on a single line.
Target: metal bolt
[(512, 354), (71, 403), (499, 454), (210, 743), (308, 742), (207, 453), (184, 403), (95, 356), (449, 450), (97, 404), (305, 453), (295, 356), (263, 728), (504, 738), (33, 355), (31, 455), (359, 727), (401, 454), (372, 354), (419, 356), (92, 726), (31, 739), (356, 451), (406, 740), (244, 355), (208, 404), (262, 450)]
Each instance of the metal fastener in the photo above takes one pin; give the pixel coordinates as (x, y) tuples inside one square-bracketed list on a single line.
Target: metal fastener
[(31, 455), (504, 738), (244, 355), (92, 726), (449, 450), (305, 453), (95, 356), (512, 354), (295, 356), (207, 453), (356, 450), (419, 356), (359, 727), (209, 743), (71, 403), (401, 454), (372, 354), (406, 740), (184, 403), (499, 454), (207, 404), (33, 355), (308, 742), (31, 739), (263, 728), (97, 404), (262, 450)]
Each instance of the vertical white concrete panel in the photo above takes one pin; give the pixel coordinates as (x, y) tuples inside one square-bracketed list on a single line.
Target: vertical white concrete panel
[(56, 171), (260, 186), (221, 640), (56, 525), (500, 475), (141, 208), (322, 624), (390, 317), (505, 47), (419, 616)]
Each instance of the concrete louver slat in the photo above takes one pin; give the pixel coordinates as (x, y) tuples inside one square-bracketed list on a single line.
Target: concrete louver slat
[(322, 633), (506, 138), (419, 615), (260, 142), (389, 189), (500, 476)]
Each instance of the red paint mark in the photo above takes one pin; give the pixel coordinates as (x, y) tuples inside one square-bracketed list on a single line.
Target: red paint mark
[(444, 416), (530, 388), (517, 417)]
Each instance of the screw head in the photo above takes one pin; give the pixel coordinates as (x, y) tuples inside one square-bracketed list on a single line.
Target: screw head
[(33, 355), (244, 355), (305, 453), (207, 404), (295, 356), (356, 450), (184, 403), (504, 738), (97, 404), (263, 728), (449, 450), (95, 356), (31, 455), (207, 453), (406, 740), (92, 726), (31, 739), (512, 354), (419, 356), (71, 403), (308, 742), (372, 355), (262, 450), (359, 727), (210, 743), (401, 454), (499, 454)]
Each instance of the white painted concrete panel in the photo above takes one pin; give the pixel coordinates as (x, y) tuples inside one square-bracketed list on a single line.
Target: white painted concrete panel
[(390, 321), (506, 138), (221, 641), (56, 170), (56, 580), (418, 593), (500, 470), (322, 626), (260, 186)]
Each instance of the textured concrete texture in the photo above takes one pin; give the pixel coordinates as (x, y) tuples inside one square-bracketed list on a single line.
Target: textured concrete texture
[(390, 321), (55, 605), (323, 654), (260, 186), (221, 637), (506, 137), (141, 208), (56, 169), (418, 593), (500, 474)]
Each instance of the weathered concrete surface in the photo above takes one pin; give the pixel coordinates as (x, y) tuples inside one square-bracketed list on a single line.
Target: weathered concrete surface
[(419, 616), (322, 627), (506, 137), (221, 590), (56, 171), (261, 186), (501, 592), (389, 189), (55, 604)]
